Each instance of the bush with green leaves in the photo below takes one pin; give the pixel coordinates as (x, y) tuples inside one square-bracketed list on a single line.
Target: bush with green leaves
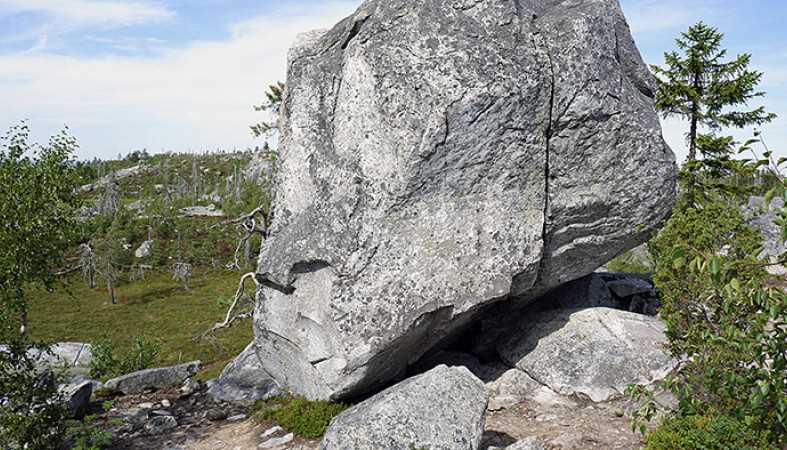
[(38, 220), (110, 360), (298, 415), (704, 432), (32, 411), (88, 435), (726, 325)]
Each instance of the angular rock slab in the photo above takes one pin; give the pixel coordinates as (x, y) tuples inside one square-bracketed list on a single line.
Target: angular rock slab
[(158, 378), (244, 380), (438, 156), (596, 352), (442, 409)]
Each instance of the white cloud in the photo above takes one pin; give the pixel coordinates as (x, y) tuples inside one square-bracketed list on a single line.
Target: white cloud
[(104, 13), (194, 99)]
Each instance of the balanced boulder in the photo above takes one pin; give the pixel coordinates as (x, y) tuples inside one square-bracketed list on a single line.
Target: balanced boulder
[(439, 156)]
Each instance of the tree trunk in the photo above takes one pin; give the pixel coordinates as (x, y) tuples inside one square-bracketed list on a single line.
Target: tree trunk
[(23, 322), (693, 138), (111, 289), (695, 112)]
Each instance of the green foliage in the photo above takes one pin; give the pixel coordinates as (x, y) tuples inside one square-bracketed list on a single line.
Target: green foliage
[(298, 415), (729, 328), (87, 435), (698, 85), (37, 213), (32, 412), (631, 262), (110, 361), (272, 104), (156, 307), (646, 412), (704, 432)]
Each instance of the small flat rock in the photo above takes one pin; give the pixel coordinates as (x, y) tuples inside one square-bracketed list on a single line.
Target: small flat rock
[(161, 424), (531, 443), (161, 412), (237, 418), (152, 379), (77, 396), (216, 414), (146, 405), (512, 387), (166, 403), (271, 431), (277, 441), (440, 409)]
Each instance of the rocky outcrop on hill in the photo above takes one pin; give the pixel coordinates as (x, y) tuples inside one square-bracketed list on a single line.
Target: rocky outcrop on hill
[(438, 157), (440, 409)]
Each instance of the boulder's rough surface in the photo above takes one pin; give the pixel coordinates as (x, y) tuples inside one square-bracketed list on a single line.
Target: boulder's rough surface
[(77, 396), (158, 378), (438, 156), (512, 387), (442, 409), (244, 380), (596, 352), (763, 217)]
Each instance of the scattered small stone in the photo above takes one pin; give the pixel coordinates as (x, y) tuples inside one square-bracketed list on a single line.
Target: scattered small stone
[(531, 443), (277, 442), (160, 412), (189, 387), (237, 418), (161, 424), (146, 405), (166, 403), (271, 431), (216, 414)]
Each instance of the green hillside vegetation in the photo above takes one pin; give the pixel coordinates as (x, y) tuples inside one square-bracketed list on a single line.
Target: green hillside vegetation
[(150, 302), (157, 308)]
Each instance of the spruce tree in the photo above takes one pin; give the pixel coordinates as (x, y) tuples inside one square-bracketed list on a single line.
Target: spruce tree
[(698, 85)]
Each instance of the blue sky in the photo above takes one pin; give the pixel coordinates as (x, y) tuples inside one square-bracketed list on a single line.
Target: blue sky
[(182, 75)]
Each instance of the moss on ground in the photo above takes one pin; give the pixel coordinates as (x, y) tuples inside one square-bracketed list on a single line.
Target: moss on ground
[(157, 307)]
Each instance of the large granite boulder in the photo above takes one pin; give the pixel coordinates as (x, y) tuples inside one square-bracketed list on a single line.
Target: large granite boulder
[(442, 409), (595, 352), (438, 156)]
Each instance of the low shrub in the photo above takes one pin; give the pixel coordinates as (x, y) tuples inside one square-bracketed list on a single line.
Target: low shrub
[(704, 433), (32, 412), (111, 361), (305, 418)]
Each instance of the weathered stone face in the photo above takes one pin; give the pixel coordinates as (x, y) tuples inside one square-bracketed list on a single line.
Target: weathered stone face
[(438, 156)]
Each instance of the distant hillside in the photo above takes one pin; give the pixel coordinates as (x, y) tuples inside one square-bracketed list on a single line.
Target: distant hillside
[(155, 258)]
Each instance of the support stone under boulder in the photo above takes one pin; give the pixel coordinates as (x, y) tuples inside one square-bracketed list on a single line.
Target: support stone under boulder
[(594, 352), (438, 157), (440, 409)]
